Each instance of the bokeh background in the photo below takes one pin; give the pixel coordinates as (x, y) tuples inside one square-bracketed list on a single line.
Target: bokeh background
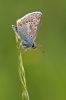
[(45, 72)]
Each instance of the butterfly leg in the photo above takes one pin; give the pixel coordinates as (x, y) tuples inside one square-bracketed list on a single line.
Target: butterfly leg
[(24, 51)]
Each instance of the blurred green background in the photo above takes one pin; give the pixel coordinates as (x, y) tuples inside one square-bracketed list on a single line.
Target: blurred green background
[(45, 72)]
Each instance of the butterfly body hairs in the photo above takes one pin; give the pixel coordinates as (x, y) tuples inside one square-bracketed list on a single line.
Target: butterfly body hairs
[(27, 29)]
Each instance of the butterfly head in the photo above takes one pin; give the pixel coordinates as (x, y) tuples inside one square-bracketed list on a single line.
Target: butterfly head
[(27, 45)]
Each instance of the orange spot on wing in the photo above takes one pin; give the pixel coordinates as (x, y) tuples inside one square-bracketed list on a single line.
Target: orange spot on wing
[(26, 21), (20, 24), (33, 22), (38, 17), (29, 20), (23, 22)]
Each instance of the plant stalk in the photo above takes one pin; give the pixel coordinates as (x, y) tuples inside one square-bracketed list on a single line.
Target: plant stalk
[(25, 95)]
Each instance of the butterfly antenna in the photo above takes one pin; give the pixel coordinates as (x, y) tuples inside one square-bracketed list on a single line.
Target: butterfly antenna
[(41, 47)]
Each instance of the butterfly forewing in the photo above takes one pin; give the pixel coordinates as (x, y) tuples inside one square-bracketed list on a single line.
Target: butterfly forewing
[(28, 26)]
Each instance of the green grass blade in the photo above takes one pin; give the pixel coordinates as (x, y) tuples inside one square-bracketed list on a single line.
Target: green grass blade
[(21, 70)]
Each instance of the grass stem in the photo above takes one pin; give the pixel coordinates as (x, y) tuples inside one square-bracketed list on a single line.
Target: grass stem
[(21, 71)]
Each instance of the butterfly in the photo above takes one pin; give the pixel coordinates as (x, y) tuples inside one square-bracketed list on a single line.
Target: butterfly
[(27, 29)]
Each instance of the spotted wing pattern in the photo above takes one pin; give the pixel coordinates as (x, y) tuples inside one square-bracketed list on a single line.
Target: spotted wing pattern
[(28, 26)]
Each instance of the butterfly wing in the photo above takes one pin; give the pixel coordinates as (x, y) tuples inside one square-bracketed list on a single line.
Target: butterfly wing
[(28, 26)]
